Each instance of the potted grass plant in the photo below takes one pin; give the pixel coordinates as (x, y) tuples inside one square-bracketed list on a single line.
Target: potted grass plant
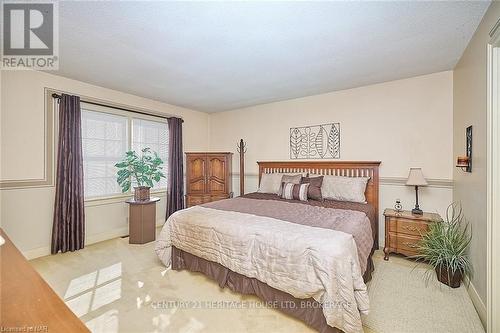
[(141, 171), (444, 247)]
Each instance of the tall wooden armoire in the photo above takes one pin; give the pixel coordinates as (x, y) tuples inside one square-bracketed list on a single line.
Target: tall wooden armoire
[(208, 177)]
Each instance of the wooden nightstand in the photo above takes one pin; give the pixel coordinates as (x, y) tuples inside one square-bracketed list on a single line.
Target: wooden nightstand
[(403, 231)]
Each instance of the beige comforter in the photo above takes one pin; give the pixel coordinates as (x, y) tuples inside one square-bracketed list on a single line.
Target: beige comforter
[(298, 259)]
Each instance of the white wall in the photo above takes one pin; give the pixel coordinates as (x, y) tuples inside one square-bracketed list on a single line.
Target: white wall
[(402, 123), (26, 213), (470, 107)]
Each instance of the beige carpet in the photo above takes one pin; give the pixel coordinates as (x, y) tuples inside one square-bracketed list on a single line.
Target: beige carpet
[(402, 301), (116, 287)]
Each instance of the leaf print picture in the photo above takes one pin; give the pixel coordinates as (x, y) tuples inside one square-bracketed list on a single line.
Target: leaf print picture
[(295, 142), (315, 142)]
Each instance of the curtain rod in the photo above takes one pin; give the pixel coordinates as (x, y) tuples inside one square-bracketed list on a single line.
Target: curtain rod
[(57, 96)]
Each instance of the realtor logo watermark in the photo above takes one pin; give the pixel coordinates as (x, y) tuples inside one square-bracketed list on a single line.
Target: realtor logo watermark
[(30, 38)]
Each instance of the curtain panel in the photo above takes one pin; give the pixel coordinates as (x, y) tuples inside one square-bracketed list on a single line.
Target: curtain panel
[(175, 180), (68, 230)]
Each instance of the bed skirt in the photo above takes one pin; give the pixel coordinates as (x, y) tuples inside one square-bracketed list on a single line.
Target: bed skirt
[(309, 311)]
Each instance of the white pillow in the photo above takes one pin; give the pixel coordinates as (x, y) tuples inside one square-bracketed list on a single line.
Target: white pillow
[(271, 182), (344, 188)]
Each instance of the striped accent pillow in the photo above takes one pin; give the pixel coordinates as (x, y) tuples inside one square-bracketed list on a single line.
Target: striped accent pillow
[(294, 191)]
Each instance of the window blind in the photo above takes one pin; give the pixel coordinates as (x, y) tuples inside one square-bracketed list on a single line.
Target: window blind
[(104, 143), (152, 134)]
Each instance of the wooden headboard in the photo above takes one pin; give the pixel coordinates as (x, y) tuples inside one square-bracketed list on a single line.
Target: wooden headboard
[(334, 168)]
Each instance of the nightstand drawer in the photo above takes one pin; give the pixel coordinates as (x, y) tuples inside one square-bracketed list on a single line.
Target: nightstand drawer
[(417, 228), (404, 244)]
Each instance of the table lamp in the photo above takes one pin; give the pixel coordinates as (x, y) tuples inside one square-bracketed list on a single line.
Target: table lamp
[(416, 178)]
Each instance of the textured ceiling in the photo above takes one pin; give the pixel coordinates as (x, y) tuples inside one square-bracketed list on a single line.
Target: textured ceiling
[(216, 56)]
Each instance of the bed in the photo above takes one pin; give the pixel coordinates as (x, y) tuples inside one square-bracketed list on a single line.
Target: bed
[(308, 259)]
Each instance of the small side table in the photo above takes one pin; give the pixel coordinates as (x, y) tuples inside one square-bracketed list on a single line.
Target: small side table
[(404, 230), (142, 220)]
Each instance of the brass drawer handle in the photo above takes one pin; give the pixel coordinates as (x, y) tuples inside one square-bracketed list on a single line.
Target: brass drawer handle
[(410, 228), (410, 245)]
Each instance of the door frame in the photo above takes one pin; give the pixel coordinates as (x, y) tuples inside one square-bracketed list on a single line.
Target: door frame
[(493, 182)]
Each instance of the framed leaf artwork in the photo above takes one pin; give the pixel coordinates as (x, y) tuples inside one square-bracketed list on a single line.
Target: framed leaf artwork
[(315, 142)]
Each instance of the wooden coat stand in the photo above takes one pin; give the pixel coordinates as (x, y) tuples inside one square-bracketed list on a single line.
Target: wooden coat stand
[(242, 149)]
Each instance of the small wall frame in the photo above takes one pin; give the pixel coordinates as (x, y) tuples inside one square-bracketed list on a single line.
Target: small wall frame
[(468, 147)]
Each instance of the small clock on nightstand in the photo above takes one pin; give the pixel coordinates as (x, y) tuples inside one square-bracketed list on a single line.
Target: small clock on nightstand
[(404, 230)]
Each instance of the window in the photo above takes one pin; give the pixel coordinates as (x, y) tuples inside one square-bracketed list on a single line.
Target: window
[(105, 139), (104, 142), (152, 134)]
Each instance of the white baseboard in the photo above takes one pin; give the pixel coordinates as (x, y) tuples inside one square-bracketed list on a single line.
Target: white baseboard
[(110, 234), (36, 253), (92, 239), (477, 301)]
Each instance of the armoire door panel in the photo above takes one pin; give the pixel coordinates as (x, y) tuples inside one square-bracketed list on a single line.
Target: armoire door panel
[(217, 174), (216, 186), (197, 186), (196, 170)]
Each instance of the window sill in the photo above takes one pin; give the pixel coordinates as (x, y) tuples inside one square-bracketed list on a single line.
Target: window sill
[(113, 199)]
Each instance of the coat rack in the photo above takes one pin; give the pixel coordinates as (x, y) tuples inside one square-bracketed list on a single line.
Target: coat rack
[(242, 149)]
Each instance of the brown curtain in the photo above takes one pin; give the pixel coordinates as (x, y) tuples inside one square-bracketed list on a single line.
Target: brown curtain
[(175, 180), (68, 230)]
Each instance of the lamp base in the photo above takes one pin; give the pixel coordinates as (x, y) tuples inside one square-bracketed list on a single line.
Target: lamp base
[(417, 211)]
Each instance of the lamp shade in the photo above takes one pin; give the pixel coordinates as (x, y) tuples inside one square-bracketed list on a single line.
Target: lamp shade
[(416, 178)]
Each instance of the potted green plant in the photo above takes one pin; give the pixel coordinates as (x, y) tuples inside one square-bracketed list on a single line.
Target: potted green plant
[(444, 247), (142, 171)]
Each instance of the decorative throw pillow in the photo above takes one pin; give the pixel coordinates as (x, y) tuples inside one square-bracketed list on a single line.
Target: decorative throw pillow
[(344, 188), (314, 191), (295, 191), (294, 179), (271, 183)]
